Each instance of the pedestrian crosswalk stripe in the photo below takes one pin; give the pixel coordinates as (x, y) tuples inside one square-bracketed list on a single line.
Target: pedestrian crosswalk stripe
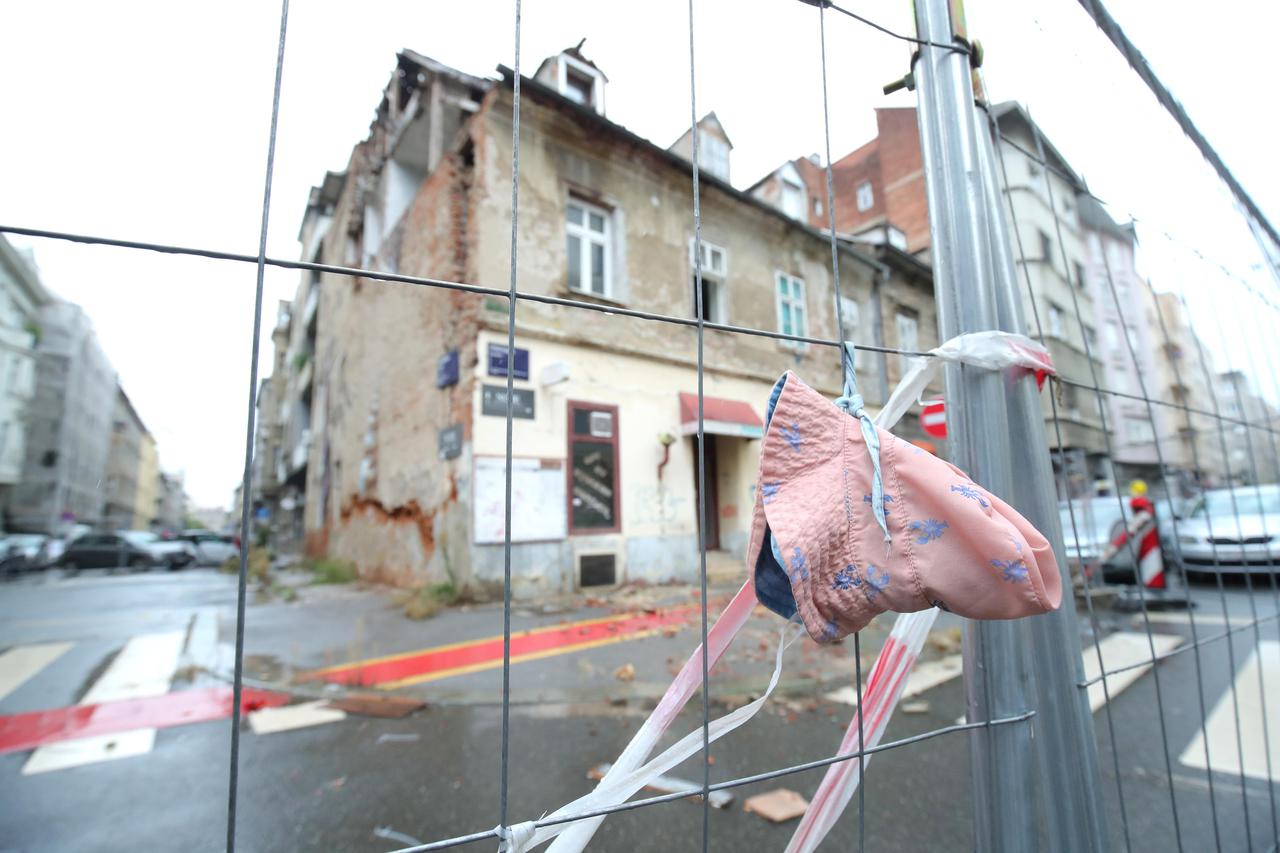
[(19, 664), (1224, 751), (1119, 650), (144, 667)]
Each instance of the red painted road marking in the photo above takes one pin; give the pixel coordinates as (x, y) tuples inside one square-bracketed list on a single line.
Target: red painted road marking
[(471, 656), (37, 728)]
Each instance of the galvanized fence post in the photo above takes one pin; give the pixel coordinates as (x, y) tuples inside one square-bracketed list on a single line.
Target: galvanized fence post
[(996, 429)]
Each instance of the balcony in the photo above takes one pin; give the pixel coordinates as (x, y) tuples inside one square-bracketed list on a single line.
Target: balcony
[(305, 375), (312, 307), (298, 456)]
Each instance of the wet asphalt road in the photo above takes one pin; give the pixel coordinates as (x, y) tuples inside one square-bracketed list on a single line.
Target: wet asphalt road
[(332, 786)]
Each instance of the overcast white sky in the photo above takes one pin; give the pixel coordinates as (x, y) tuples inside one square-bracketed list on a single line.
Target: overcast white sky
[(149, 120)]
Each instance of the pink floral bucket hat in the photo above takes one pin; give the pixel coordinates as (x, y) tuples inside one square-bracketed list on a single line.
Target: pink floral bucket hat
[(851, 521)]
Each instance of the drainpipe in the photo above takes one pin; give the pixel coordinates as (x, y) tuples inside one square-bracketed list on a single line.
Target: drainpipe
[(666, 439)]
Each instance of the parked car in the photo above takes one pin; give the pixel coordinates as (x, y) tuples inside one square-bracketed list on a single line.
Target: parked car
[(212, 549), (170, 553), (1096, 522), (23, 552), (1234, 530), (104, 551)]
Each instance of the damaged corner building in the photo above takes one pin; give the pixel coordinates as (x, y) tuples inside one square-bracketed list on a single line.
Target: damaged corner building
[(383, 426)]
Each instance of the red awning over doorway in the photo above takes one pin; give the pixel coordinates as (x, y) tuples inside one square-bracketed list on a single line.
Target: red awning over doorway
[(719, 417)]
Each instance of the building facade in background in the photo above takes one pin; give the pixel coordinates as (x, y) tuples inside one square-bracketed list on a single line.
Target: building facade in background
[(69, 434), (880, 201), (171, 504), (144, 504), (22, 298), (1249, 459), (394, 408), (1127, 330), (124, 463)]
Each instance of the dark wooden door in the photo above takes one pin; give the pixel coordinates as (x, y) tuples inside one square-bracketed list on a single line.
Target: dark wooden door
[(713, 503)]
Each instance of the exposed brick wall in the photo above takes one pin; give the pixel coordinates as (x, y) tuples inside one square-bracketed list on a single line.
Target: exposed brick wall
[(393, 506)]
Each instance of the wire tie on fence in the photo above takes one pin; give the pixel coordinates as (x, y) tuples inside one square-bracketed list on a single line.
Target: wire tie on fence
[(515, 839), (851, 401)]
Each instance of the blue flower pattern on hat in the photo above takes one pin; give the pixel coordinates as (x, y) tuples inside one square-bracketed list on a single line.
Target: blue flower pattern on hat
[(792, 435), (872, 585), (799, 566), (1014, 571), (844, 578), (967, 490), (928, 530), (888, 499), (769, 491)]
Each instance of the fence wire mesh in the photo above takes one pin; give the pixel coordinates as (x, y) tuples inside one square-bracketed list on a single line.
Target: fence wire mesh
[(1233, 424)]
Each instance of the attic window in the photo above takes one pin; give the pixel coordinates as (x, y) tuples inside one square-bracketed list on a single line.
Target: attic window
[(714, 155), (578, 86), (793, 199), (581, 83)]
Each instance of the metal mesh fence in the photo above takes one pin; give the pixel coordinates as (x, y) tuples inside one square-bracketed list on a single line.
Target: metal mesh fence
[(1220, 425)]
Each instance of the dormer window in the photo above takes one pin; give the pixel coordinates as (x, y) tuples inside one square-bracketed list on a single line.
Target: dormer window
[(714, 155), (793, 199), (578, 86), (581, 83)]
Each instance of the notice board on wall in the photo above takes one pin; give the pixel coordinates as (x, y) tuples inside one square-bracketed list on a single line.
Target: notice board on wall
[(537, 500)]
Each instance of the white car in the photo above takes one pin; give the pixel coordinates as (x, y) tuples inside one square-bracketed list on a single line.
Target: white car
[(170, 553), (1233, 531), (212, 549)]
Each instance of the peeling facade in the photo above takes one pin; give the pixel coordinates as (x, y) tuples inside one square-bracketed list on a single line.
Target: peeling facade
[(405, 423)]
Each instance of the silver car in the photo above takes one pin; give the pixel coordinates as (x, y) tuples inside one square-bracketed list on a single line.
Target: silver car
[(1236, 530), (212, 549), (1097, 521)]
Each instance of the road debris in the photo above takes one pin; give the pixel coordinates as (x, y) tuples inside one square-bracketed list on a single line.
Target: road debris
[(777, 806), (272, 720), (397, 737), (671, 785), (917, 707), (626, 672)]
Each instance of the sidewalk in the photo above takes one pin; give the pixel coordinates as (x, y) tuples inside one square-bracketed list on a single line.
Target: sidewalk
[(618, 647)]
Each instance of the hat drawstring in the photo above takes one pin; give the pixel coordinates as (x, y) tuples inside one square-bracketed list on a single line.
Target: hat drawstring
[(852, 403)]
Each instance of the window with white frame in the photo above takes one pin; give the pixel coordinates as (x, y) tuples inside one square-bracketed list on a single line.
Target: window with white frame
[(792, 317), (908, 323), (590, 249), (849, 317), (793, 199), (581, 83), (715, 268), (1056, 326), (866, 197), (713, 155)]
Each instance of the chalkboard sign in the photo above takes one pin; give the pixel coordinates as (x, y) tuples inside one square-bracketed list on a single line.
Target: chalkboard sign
[(498, 362), (450, 442), (447, 369), (493, 401)]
